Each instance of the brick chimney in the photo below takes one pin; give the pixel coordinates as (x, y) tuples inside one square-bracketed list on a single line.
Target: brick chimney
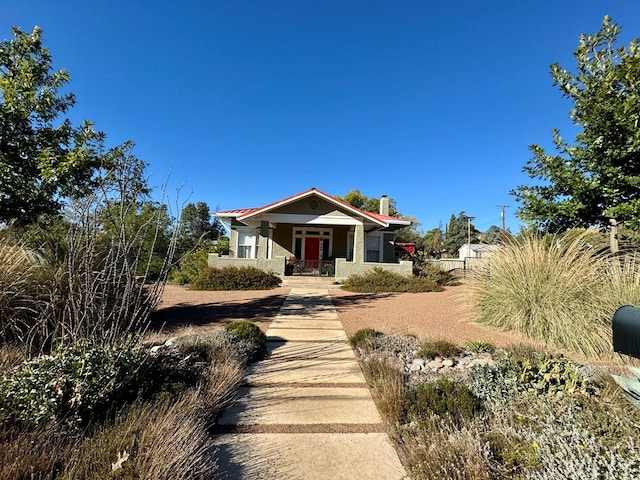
[(384, 205)]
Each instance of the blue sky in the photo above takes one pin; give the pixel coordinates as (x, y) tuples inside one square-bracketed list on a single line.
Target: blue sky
[(243, 102)]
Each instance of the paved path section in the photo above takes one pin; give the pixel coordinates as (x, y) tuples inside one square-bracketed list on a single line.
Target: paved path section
[(306, 412)]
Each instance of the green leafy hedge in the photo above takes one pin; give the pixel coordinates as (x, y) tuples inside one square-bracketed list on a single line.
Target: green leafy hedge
[(235, 278), (379, 280)]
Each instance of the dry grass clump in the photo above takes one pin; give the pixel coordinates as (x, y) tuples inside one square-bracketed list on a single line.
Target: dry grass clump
[(562, 291), (388, 383), (23, 288), (163, 441), (166, 437)]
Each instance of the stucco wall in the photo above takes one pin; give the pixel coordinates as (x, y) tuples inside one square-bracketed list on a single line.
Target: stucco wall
[(275, 265), (344, 268)]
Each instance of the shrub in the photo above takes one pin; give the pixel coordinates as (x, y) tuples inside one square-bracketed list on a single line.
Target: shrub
[(446, 398), (73, 384), (235, 278), (512, 451), (551, 375), (432, 271), (245, 331), (440, 348), (192, 264), (553, 290), (379, 280), (216, 345), (363, 338), (496, 383)]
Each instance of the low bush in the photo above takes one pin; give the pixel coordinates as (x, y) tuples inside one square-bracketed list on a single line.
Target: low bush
[(235, 278), (73, 384), (379, 280), (437, 348), (363, 338), (245, 331), (494, 383), (446, 398), (432, 271), (192, 264), (216, 345)]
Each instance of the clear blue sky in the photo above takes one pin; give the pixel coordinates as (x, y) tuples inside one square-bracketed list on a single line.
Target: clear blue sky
[(247, 101)]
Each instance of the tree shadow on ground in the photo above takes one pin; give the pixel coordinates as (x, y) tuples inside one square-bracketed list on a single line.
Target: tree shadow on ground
[(357, 300), (212, 313)]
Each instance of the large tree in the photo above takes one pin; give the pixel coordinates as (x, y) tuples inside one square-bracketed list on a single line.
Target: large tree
[(196, 227), (457, 233), (369, 204), (42, 158), (597, 178)]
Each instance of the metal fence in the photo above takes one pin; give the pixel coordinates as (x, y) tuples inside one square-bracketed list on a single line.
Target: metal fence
[(320, 268)]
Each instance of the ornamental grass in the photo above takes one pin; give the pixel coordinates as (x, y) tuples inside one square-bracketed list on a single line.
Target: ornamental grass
[(559, 291)]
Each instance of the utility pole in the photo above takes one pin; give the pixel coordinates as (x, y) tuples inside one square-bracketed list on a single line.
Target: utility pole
[(469, 235), (504, 228)]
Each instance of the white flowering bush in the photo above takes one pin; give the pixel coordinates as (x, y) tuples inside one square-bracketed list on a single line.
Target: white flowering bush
[(73, 384)]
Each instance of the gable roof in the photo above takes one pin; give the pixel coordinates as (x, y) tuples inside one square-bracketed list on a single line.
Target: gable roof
[(247, 213)]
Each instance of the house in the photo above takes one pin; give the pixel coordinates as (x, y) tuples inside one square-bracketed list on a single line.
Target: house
[(312, 233), (476, 250)]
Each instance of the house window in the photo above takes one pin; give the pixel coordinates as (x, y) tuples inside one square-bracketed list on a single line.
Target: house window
[(246, 244), (373, 248)]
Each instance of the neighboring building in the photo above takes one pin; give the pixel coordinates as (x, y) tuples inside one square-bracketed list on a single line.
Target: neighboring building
[(476, 250), (312, 233)]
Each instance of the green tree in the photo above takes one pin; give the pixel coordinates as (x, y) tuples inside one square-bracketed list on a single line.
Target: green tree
[(369, 204), (494, 235), (42, 159), (128, 215), (457, 233), (196, 227), (355, 199), (598, 177), (433, 242)]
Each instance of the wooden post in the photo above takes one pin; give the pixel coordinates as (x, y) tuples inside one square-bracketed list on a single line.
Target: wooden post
[(613, 235)]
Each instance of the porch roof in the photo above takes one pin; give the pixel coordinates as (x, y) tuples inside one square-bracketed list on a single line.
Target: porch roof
[(246, 214)]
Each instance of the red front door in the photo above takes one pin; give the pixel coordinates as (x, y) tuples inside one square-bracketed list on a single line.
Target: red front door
[(311, 252)]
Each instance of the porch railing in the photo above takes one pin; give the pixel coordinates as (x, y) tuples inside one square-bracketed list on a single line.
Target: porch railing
[(322, 268)]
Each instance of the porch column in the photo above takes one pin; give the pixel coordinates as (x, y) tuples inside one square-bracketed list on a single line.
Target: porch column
[(358, 243), (263, 241)]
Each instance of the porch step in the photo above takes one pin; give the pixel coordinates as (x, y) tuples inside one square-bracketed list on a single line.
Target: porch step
[(303, 281)]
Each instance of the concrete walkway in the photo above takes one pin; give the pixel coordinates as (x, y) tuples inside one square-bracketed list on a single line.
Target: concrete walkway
[(305, 412)]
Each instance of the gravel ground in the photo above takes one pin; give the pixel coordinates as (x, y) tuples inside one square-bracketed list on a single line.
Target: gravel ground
[(433, 315), (429, 316)]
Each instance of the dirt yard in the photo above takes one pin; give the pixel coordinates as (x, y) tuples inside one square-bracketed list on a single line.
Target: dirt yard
[(441, 315)]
